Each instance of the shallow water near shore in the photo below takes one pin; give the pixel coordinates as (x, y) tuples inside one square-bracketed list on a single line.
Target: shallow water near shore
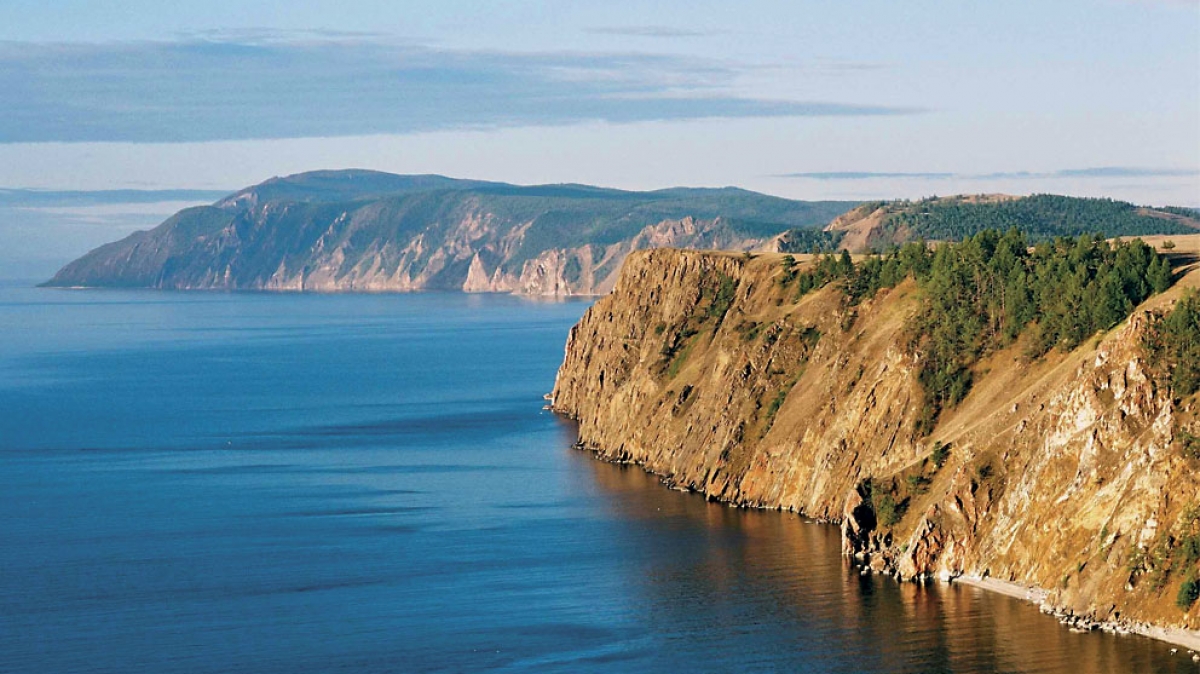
[(208, 482)]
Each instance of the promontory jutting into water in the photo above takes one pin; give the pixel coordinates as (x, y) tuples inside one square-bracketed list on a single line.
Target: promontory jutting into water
[(292, 483)]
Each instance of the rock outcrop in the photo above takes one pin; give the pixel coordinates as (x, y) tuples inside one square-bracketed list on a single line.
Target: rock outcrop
[(1063, 474)]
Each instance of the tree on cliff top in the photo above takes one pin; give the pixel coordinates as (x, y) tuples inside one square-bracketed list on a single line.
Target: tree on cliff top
[(988, 291)]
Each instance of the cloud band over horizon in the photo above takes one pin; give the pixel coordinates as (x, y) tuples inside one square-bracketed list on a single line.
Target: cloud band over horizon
[(206, 90)]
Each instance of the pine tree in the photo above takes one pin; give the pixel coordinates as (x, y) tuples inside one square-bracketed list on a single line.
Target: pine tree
[(845, 265), (1159, 275)]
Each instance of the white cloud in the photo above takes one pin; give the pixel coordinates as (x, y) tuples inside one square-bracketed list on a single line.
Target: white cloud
[(267, 84)]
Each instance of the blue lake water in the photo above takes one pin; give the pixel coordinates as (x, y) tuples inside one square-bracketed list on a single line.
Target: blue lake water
[(364, 483)]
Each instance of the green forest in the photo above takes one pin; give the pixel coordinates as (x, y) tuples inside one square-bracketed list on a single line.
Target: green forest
[(994, 288), (1041, 216), (1173, 346), (810, 241)]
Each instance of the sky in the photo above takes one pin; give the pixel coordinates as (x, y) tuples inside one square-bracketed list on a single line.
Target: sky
[(860, 99)]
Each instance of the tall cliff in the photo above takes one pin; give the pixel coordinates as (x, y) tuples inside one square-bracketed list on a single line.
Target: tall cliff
[(1067, 472), (370, 231)]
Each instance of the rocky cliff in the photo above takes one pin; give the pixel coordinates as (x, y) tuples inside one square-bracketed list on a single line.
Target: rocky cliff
[(336, 231), (1064, 474)]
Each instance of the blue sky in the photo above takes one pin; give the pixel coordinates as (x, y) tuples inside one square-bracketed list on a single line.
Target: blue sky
[(857, 99)]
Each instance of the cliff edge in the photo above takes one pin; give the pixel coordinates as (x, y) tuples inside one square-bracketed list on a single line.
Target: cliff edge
[(1069, 475)]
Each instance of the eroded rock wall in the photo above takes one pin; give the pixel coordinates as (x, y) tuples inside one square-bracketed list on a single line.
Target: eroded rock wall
[(1063, 473)]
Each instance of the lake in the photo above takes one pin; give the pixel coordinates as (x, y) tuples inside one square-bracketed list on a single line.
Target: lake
[(211, 482)]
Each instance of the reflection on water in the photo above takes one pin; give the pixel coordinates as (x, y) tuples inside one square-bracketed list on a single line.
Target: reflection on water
[(216, 483), (723, 576)]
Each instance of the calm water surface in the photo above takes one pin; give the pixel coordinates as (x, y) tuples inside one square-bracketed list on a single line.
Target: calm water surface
[(294, 483)]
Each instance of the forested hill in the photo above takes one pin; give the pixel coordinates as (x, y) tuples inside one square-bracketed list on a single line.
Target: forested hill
[(877, 225), (982, 294), (370, 231)]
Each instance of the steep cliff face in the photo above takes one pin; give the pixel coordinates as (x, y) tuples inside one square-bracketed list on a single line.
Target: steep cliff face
[(1064, 473), (347, 231)]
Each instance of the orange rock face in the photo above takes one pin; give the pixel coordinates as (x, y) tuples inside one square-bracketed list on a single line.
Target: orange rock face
[(1063, 474)]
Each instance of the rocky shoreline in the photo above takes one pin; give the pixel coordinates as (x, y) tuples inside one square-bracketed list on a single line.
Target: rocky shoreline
[(1060, 473), (1078, 623), (1083, 623)]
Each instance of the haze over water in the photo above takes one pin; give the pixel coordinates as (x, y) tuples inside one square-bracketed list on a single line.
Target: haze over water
[(300, 483)]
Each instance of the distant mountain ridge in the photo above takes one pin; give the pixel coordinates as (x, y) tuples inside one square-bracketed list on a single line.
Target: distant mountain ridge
[(368, 231), (879, 224), (358, 230)]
